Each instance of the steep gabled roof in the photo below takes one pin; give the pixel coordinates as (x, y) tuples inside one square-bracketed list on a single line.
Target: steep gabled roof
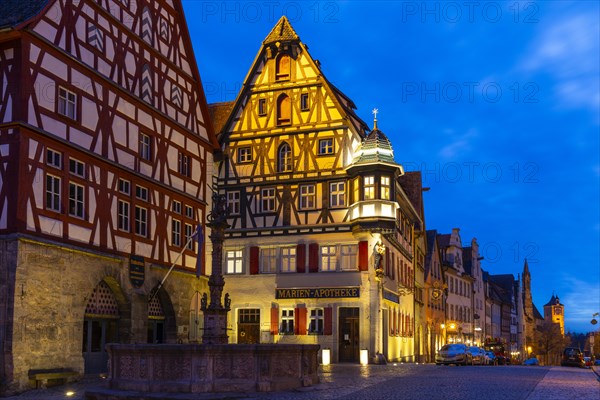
[(14, 12), (281, 32), (412, 184)]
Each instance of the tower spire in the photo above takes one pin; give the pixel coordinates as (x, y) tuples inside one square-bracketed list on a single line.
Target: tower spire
[(375, 112)]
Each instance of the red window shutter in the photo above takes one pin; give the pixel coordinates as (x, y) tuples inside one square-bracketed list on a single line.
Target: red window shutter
[(300, 320), (301, 258), (274, 320), (363, 256), (313, 257), (253, 260), (328, 321)]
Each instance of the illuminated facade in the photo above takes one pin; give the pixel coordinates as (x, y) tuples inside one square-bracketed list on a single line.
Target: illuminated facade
[(554, 312), (321, 244)]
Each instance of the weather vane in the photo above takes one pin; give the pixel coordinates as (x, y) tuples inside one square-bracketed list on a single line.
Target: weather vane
[(375, 112)]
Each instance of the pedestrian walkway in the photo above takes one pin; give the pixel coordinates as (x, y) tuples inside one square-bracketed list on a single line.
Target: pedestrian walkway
[(567, 383), (351, 381)]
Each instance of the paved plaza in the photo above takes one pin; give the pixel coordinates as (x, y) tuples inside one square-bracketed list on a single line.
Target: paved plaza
[(396, 381)]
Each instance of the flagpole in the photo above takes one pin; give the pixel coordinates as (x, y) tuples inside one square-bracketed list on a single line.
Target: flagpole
[(155, 292)]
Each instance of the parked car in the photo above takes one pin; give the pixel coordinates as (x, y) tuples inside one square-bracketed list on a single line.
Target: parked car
[(455, 353), (477, 355), (588, 362), (531, 361), (572, 356), (597, 362), (491, 357)]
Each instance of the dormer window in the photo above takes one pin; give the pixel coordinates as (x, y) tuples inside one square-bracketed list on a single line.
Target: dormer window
[(282, 69), (284, 110), (284, 159)]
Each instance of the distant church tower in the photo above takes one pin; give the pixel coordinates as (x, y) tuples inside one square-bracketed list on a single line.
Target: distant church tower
[(529, 316), (554, 312)]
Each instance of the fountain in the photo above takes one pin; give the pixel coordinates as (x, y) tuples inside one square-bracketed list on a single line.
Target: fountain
[(214, 365)]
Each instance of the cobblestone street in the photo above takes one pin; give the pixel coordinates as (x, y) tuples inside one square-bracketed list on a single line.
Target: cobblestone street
[(400, 381)]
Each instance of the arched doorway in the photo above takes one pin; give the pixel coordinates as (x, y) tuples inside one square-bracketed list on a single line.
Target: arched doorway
[(156, 322), (100, 326)]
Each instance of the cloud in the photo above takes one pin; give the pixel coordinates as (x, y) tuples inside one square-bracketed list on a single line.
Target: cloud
[(581, 302), (459, 146), (569, 50)]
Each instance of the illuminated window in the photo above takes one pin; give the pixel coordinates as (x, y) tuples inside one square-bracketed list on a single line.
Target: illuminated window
[(348, 257), (385, 187), (328, 258), (284, 110), (287, 321), (53, 193), (369, 187), (268, 199), (268, 260), (288, 259), (233, 261), (283, 67), (284, 163), (307, 197), (337, 194), (316, 321)]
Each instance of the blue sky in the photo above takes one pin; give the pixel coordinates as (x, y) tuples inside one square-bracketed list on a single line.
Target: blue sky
[(498, 103)]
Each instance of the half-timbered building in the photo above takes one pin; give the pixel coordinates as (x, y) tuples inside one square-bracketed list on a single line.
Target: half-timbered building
[(321, 236), (105, 149)]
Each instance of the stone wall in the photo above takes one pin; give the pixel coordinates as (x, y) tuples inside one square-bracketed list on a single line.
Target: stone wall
[(53, 283), (195, 368)]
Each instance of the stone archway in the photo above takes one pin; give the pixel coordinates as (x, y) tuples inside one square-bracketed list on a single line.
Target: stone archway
[(162, 326), (100, 326)]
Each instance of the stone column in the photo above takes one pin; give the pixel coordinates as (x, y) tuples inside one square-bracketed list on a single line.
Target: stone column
[(215, 313)]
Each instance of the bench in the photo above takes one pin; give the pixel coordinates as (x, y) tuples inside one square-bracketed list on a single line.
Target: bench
[(42, 376)]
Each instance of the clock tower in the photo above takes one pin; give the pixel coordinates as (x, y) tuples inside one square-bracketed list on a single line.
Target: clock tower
[(554, 311)]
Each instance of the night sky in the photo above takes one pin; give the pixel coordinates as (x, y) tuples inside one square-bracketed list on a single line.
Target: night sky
[(498, 103)]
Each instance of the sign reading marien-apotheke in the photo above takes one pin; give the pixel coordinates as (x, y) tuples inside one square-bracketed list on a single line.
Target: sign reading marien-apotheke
[(317, 293)]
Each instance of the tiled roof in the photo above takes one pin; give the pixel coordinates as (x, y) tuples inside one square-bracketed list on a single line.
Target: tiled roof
[(506, 282), (412, 185), (219, 113), (554, 301), (281, 32), (375, 148), (13, 12), (444, 240)]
